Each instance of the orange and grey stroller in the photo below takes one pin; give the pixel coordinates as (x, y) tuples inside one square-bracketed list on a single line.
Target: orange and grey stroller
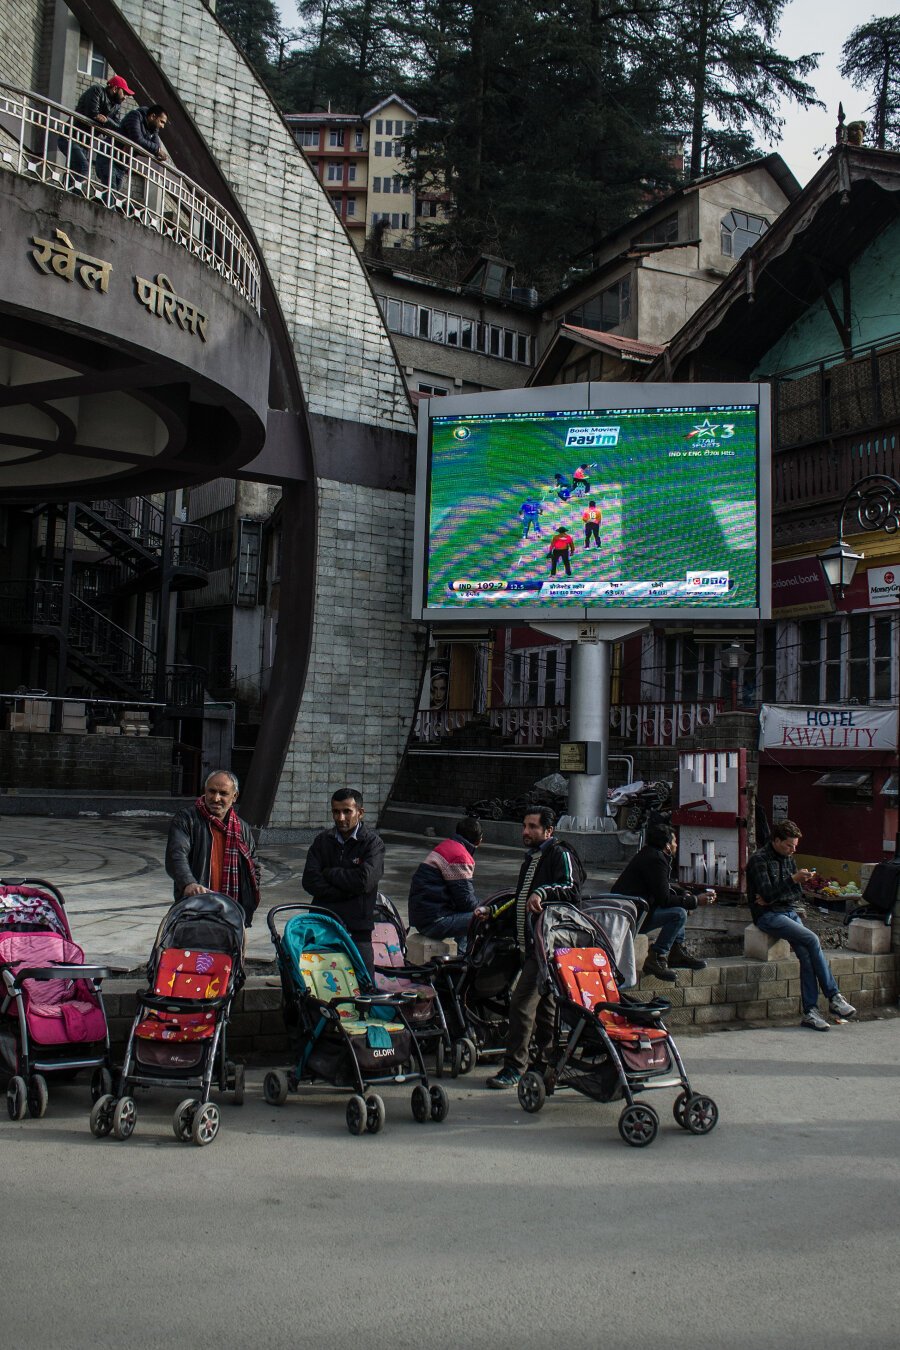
[(177, 1039), (612, 1045)]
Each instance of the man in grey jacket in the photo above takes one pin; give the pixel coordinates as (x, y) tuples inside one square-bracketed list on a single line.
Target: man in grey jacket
[(211, 849)]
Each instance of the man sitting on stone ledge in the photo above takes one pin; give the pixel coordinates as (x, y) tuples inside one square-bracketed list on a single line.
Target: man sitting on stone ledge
[(442, 897), (649, 875), (774, 887)]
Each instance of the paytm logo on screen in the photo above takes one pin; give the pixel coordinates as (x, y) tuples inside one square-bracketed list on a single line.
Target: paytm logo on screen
[(588, 437)]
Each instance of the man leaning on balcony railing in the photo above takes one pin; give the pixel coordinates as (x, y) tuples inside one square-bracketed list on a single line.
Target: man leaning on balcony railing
[(102, 105)]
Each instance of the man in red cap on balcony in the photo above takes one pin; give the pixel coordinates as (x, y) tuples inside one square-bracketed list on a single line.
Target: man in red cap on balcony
[(102, 105)]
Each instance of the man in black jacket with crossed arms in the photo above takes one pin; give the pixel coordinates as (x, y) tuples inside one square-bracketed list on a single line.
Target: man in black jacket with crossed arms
[(343, 868), (551, 871)]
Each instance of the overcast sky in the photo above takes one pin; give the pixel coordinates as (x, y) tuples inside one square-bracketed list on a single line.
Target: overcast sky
[(807, 25)]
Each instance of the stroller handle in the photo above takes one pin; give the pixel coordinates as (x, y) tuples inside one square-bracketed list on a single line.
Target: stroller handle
[(295, 907), (35, 881), (60, 973)]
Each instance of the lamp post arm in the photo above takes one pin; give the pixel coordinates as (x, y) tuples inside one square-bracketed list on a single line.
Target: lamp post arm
[(877, 498)]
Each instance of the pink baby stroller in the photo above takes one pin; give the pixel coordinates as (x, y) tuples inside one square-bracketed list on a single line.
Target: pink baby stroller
[(52, 1019)]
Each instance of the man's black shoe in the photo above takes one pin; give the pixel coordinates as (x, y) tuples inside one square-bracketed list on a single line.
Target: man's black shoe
[(657, 966), (679, 958)]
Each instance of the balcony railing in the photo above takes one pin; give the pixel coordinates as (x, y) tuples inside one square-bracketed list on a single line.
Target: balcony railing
[(642, 724), (41, 139), (838, 396)]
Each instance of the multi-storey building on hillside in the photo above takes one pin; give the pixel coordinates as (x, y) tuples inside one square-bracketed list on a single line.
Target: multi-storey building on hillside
[(364, 164)]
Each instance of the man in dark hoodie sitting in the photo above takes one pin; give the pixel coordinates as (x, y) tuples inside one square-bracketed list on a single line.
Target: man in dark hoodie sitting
[(441, 894), (649, 875)]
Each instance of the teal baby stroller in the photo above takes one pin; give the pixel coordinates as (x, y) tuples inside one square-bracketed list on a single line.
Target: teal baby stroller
[(344, 1031)]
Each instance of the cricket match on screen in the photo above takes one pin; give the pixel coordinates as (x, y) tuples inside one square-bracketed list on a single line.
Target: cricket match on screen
[(609, 509)]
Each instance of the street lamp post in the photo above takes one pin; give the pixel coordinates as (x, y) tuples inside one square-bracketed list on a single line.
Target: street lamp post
[(876, 502)]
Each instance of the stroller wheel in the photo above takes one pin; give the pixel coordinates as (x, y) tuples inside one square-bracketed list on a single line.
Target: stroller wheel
[(532, 1092), (357, 1115), (205, 1125), (102, 1115), (182, 1118), (375, 1114), (468, 1055), (101, 1083), (700, 1114), (238, 1084), (678, 1109), (638, 1125), (439, 1103), (275, 1088), (16, 1098), (124, 1118), (420, 1103), (38, 1096), (440, 1056)]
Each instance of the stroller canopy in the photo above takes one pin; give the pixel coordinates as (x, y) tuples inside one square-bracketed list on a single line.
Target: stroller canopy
[(208, 921), (312, 931)]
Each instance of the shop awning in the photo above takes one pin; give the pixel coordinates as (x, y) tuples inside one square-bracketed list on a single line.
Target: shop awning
[(844, 778)]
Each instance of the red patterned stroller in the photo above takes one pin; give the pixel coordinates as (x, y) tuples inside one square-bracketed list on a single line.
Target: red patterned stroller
[(52, 1019), (177, 1039), (615, 1045)]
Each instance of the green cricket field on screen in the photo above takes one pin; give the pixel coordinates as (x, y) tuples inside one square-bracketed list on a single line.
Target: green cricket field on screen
[(654, 508)]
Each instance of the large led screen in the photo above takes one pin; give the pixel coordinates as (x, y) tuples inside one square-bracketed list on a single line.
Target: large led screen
[(592, 509)]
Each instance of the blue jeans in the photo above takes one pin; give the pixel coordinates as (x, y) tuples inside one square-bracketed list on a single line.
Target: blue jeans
[(815, 972), (670, 921), (450, 926)]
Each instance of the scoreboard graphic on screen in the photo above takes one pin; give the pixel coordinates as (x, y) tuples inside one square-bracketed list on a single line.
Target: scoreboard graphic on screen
[(630, 499)]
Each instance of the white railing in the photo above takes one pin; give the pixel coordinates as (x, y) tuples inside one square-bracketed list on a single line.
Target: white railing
[(433, 723), (661, 723), (529, 726), (650, 724), (41, 139)]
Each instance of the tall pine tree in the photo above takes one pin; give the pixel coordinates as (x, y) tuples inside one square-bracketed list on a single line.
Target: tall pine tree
[(870, 59)]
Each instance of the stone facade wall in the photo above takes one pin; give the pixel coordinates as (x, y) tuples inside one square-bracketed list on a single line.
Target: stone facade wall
[(735, 989), (365, 663), (85, 762), (363, 675), (343, 351), (22, 28)]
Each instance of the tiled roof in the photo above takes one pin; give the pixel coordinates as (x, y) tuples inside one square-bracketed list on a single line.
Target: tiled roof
[(613, 342)]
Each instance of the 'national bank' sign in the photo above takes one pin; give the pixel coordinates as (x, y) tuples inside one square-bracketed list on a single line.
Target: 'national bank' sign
[(833, 728)]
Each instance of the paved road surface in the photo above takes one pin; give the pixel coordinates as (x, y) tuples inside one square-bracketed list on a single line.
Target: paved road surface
[(493, 1230)]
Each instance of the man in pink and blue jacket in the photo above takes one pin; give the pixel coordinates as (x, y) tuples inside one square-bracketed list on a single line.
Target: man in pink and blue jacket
[(441, 895)]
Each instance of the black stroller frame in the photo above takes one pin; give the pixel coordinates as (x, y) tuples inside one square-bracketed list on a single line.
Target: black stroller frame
[(28, 1090), (478, 1017), (588, 1059), (450, 1056), (193, 1120), (306, 1016)]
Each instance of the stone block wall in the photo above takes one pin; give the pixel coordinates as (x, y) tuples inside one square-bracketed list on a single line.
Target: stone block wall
[(733, 989), (21, 48), (366, 656), (84, 762), (363, 678), (730, 991)]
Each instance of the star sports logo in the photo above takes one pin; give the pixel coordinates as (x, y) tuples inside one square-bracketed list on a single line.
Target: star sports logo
[(705, 434)]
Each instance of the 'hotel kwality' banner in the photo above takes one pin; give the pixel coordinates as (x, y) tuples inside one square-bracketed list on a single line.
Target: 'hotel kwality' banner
[(836, 727)]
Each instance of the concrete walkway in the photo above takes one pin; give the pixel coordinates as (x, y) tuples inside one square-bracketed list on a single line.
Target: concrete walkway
[(116, 889)]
